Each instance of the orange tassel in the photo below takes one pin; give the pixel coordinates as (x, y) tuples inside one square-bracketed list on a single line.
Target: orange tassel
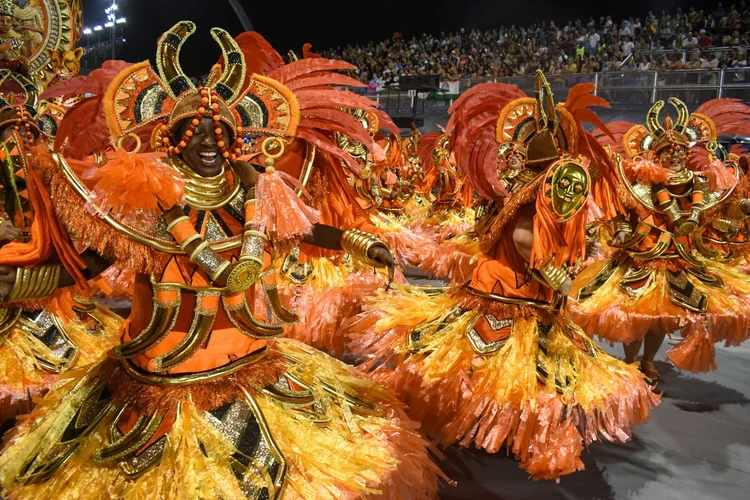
[(719, 177), (132, 186), (648, 171), (279, 210), (697, 352)]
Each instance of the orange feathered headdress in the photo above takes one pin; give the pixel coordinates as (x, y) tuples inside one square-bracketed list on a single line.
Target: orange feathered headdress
[(321, 109), (492, 114)]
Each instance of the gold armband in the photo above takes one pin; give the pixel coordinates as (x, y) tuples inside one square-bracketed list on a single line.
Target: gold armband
[(34, 283), (671, 211), (734, 211), (726, 225), (358, 244), (209, 260), (177, 222), (553, 276)]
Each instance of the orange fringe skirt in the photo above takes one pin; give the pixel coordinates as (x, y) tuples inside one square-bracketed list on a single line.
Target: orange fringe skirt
[(315, 428), (24, 374), (495, 396), (617, 313)]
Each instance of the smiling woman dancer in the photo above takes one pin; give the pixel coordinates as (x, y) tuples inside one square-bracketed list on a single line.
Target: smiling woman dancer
[(203, 401)]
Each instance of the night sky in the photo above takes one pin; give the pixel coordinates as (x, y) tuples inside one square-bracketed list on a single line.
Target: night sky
[(287, 24)]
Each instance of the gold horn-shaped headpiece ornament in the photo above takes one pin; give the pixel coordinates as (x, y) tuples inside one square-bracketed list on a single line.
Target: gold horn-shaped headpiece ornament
[(652, 119), (683, 115), (32, 93), (4, 74), (232, 79), (545, 113), (168, 58)]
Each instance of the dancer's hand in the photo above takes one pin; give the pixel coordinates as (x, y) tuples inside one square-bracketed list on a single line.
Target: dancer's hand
[(247, 174), (593, 248), (620, 238), (8, 232), (382, 255), (7, 280), (566, 287)]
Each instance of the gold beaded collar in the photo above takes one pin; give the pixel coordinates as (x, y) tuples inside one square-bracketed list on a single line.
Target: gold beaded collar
[(204, 193), (679, 178)]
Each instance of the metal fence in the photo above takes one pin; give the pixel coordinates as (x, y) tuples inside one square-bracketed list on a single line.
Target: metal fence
[(621, 88)]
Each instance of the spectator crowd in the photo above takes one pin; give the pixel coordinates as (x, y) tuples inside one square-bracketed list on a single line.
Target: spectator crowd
[(685, 39)]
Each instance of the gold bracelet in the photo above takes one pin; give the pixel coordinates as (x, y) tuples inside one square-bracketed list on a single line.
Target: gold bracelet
[(201, 246), (358, 244), (554, 276), (623, 226), (244, 274), (691, 224), (176, 222), (671, 212), (188, 241), (253, 244), (222, 267), (209, 260), (34, 283)]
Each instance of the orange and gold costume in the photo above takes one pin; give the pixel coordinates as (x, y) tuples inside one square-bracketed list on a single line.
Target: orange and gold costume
[(39, 339), (203, 400), (497, 363), (668, 275)]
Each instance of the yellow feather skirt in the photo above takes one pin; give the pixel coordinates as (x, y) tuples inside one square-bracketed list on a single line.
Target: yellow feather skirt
[(618, 311), (330, 295), (328, 434), (537, 394), (25, 359)]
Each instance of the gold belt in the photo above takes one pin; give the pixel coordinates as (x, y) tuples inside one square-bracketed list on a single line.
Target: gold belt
[(151, 378), (551, 306)]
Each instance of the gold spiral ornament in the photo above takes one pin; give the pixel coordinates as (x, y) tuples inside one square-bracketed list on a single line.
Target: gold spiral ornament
[(243, 275), (131, 135)]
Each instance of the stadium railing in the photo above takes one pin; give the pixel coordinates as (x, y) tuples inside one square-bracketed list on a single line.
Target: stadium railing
[(617, 87)]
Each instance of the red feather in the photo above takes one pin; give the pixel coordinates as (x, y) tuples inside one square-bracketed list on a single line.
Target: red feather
[(385, 122), (730, 115), (260, 56), (332, 98), (324, 143), (87, 115), (95, 82), (322, 80), (307, 52), (617, 131), (305, 66)]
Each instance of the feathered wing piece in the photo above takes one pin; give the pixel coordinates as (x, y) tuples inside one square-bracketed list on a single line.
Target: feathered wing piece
[(95, 83), (322, 108), (614, 139), (604, 190), (472, 124), (260, 57), (729, 116), (425, 150), (88, 114)]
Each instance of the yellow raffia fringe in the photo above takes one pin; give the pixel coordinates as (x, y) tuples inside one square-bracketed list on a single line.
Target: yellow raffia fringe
[(341, 459), (19, 367)]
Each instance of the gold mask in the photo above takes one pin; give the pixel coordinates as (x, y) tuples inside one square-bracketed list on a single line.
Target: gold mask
[(570, 184)]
